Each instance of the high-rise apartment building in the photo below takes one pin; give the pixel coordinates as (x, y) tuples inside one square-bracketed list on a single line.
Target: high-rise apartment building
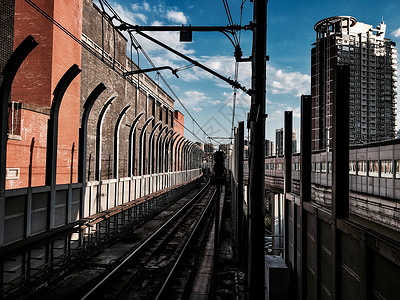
[(269, 147), (279, 137), (279, 142), (373, 75), (294, 141)]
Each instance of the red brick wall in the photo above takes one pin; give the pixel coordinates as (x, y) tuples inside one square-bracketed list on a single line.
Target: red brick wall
[(33, 125), (34, 85), (179, 122), (67, 52)]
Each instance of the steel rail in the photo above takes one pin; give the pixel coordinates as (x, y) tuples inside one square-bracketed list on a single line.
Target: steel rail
[(177, 262), (144, 244)]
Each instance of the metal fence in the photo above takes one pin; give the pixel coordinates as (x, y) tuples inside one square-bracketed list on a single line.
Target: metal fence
[(34, 258)]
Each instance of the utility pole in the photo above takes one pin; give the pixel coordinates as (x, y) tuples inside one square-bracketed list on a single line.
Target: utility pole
[(256, 257)]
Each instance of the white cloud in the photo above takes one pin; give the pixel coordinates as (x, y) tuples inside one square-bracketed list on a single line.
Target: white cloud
[(278, 114), (396, 33), (242, 99), (282, 82), (278, 81), (197, 109), (169, 38), (140, 7), (176, 17), (223, 65), (141, 17), (195, 98), (215, 102), (129, 15), (146, 6)]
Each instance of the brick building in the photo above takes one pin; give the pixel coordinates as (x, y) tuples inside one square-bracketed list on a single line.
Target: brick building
[(32, 89), (179, 122), (106, 61), (101, 55)]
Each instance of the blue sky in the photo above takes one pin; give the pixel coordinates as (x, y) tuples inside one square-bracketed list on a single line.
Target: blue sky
[(290, 35)]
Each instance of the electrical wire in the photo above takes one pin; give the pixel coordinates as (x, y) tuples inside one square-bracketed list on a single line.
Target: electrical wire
[(116, 16), (189, 131), (230, 20), (241, 18), (236, 73), (48, 17), (136, 45), (171, 90), (185, 67)]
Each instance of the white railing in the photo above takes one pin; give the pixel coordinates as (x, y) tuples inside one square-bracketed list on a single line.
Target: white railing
[(105, 194)]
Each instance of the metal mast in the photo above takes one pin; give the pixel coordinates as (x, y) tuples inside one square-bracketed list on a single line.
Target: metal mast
[(256, 259)]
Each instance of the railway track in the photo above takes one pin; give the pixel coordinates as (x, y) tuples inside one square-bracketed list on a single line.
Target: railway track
[(164, 265), (147, 260)]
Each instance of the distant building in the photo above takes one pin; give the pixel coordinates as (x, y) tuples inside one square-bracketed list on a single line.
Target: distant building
[(294, 141), (279, 137), (373, 74), (208, 148), (246, 149), (179, 122), (201, 145), (279, 142), (269, 148), (225, 148)]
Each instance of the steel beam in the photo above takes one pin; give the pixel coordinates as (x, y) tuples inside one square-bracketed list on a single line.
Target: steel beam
[(340, 166), (52, 138), (132, 143), (99, 136), (340, 143), (233, 83), (151, 146), (165, 151), (177, 149), (229, 28), (159, 154), (116, 140), (142, 156), (87, 107), (83, 141), (52, 135), (239, 141), (287, 148), (305, 191), (10, 70), (256, 257), (174, 137)]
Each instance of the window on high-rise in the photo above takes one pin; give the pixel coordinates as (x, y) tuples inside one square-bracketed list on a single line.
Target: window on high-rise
[(387, 168), (362, 167), (373, 168), (353, 167)]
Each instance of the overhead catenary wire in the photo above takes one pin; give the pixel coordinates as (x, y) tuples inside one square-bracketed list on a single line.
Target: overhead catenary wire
[(230, 20), (177, 121), (136, 46), (170, 89), (236, 73), (117, 17)]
